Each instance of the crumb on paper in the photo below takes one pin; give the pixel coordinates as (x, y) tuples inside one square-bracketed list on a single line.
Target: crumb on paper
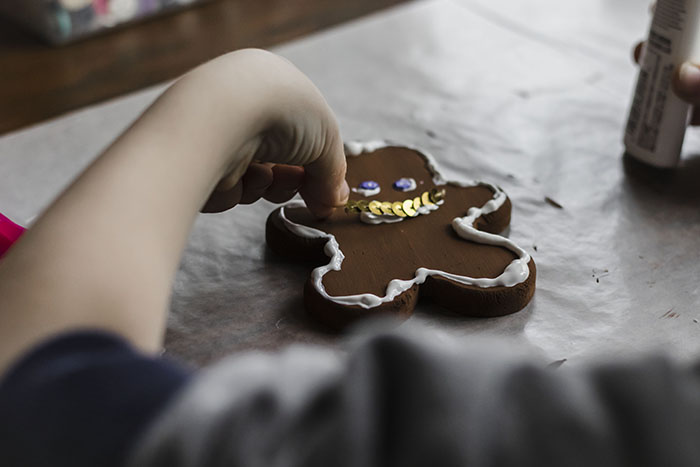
[(534, 247), (669, 314), (431, 133), (553, 203), (557, 363), (599, 274)]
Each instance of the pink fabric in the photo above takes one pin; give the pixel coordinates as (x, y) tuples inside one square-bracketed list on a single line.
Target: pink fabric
[(9, 233), (101, 6)]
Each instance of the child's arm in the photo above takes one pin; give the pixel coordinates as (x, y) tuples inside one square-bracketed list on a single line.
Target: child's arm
[(104, 254)]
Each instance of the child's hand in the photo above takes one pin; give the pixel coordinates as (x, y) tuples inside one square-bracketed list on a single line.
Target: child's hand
[(293, 145), (277, 183), (274, 182)]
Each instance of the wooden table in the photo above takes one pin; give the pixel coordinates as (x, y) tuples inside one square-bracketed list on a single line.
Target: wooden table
[(38, 81)]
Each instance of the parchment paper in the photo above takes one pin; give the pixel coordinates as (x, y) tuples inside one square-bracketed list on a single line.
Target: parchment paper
[(531, 96)]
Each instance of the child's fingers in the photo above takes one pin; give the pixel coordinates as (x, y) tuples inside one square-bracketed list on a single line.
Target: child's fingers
[(286, 182), (256, 180), (324, 187), (687, 83), (274, 182), (231, 191), (223, 199)]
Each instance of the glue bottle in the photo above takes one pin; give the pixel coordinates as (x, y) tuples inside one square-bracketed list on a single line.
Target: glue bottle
[(658, 118)]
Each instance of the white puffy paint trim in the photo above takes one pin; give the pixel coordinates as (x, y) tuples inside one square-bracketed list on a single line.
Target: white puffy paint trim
[(515, 273), (373, 219), (367, 192)]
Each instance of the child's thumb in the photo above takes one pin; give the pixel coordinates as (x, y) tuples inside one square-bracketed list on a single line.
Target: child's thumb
[(687, 83)]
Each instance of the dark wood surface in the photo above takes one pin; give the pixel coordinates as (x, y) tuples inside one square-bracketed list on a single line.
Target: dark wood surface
[(38, 81)]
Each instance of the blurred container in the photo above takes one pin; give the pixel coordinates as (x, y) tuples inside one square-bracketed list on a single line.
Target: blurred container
[(62, 21)]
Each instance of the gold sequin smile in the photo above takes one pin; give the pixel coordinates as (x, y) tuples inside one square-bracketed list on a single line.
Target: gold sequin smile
[(407, 208)]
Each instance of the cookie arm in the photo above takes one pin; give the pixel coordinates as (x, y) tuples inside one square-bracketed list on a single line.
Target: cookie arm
[(291, 246), (498, 221)]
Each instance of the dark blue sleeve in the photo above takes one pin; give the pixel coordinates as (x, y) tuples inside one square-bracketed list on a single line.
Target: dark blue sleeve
[(81, 399)]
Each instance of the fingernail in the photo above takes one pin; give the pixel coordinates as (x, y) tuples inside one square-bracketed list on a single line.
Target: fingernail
[(343, 193), (689, 77)]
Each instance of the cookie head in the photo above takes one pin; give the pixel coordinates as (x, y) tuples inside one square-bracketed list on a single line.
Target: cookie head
[(439, 240)]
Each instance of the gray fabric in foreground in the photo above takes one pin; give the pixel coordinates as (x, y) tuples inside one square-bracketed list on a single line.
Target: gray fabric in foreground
[(419, 398)]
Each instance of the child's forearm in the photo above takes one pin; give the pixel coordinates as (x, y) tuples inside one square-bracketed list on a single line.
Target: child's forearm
[(104, 254)]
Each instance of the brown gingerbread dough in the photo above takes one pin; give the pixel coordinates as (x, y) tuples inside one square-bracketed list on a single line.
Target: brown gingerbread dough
[(374, 255)]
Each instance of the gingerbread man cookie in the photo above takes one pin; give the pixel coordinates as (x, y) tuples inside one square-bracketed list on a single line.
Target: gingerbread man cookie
[(405, 233)]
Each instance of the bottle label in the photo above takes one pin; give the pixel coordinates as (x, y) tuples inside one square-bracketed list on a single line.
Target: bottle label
[(653, 93)]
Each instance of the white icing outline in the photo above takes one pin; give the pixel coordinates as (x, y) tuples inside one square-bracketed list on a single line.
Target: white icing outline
[(367, 192), (515, 273), (373, 219)]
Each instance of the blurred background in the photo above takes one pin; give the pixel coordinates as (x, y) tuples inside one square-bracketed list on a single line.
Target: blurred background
[(60, 55)]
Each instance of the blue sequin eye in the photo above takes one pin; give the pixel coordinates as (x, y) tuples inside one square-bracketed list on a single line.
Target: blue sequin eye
[(405, 184), (367, 188)]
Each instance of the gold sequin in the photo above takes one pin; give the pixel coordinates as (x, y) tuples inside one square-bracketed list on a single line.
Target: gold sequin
[(406, 208), (417, 203), (387, 208), (375, 207), (436, 195), (397, 207)]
